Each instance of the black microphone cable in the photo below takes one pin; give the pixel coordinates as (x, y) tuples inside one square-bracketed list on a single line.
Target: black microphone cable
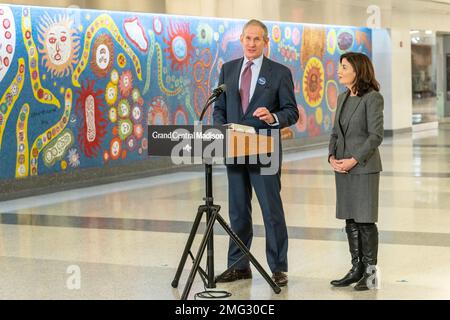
[(209, 294)]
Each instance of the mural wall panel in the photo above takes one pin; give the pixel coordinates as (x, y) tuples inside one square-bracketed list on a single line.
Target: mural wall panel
[(78, 87)]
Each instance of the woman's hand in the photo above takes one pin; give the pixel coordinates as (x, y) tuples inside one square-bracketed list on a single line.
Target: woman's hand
[(348, 164), (343, 165), (336, 164)]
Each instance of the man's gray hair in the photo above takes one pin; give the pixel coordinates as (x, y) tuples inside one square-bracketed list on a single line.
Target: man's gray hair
[(258, 23)]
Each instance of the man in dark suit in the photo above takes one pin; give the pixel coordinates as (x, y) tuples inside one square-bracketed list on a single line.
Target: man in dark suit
[(260, 93)]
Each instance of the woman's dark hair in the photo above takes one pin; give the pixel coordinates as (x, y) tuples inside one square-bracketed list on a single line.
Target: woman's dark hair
[(365, 75)]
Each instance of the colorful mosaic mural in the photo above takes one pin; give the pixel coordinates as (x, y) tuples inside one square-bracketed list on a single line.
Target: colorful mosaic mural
[(78, 87)]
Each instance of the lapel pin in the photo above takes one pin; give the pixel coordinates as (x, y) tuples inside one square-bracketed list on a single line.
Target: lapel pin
[(262, 81)]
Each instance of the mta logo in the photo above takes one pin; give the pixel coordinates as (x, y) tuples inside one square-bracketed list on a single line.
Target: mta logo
[(187, 148)]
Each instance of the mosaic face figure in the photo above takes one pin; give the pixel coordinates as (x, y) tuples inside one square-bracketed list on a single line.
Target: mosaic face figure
[(102, 59), (111, 93), (313, 83), (59, 45)]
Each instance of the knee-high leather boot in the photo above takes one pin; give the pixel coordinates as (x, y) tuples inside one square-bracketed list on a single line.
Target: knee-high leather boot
[(369, 246), (356, 272)]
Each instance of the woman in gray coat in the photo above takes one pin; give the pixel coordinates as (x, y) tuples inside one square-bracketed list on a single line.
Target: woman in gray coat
[(354, 156)]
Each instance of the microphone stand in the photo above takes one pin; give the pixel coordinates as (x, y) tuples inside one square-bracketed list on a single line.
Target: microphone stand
[(209, 207), (213, 98)]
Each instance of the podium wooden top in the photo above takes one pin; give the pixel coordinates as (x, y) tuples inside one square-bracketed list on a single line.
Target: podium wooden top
[(241, 144)]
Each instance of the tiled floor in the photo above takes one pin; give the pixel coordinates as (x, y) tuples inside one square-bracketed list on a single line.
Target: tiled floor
[(124, 240)]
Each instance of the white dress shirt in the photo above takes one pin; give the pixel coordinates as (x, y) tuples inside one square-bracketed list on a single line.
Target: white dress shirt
[(256, 68)]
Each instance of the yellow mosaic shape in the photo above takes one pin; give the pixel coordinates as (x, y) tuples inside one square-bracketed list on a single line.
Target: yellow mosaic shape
[(101, 22), (115, 76), (50, 134), (163, 88), (149, 61), (40, 93), (111, 93), (313, 82), (10, 96), (319, 116), (121, 60), (22, 157), (331, 41)]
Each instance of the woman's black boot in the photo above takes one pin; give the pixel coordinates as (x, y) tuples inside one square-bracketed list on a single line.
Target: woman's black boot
[(369, 248), (356, 272)]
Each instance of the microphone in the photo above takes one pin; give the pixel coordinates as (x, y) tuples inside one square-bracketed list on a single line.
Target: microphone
[(219, 90), (216, 93)]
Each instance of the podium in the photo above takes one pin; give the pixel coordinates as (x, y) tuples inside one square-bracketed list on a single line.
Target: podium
[(241, 144), (230, 146)]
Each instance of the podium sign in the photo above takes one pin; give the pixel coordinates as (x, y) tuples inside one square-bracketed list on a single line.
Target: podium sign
[(185, 140), (187, 144)]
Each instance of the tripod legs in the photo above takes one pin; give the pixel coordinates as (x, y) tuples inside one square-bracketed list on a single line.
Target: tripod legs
[(213, 215), (201, 250), (188, 246), (245, 250)]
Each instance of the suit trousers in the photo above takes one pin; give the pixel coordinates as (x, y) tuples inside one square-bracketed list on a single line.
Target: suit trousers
[(241, 179)]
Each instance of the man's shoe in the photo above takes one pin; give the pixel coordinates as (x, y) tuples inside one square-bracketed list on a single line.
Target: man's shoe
[(234, 274), (280, 278)]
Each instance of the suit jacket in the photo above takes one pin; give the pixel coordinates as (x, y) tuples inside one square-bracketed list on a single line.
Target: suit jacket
[(362, 135), (274, 90)]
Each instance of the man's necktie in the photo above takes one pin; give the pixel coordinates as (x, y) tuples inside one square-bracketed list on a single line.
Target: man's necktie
[(246, 80)]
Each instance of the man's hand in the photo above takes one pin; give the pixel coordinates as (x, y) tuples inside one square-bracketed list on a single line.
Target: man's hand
[(262, 113)]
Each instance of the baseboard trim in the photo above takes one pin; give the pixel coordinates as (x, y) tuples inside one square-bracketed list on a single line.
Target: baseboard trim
[(445, 120), (425, 126), (88, 177), (310, 143), (391, 133)]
